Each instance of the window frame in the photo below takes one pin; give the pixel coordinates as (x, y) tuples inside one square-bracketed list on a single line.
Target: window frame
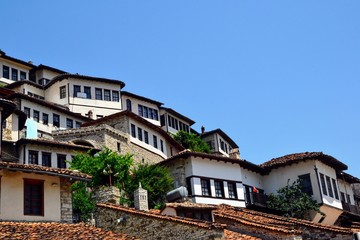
[(14, 74), (219, 188), (69, 123), (140, 135), (98, 93), (46, 158), (329, 186), (6, 72), (45, 118), (336, 192), (128, 105), (146, 137), (87, 91), (205, 187), (27, 111), (107, 95), (133, 130), (61, 161), (57, 122), (115, 96), (33, 157), (62, 92), (77, 89), (323, 184), (232, 191), (23, 75), (155, 141), (33, 205), (306, 179), (36, 115)]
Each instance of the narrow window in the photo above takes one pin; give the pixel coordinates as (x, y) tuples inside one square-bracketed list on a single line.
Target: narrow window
[(176, 124), (146, 137), (335, 189), (107, 96), (77, 124), (46, 159), (348, 198), (22, 75), (169, 120), (323, 185), (140, 136), (133, 133), (161, 145), (151, 113), (156, 115), (87, 91), (188, 186), (14, 74), (342, 195), (56, 120), (305, 183), (232, 190), (45, 118), (205, 187), (162, 120), (69, 123), (128, 105), (33, 157), (328, 182), (115, 96), (27, 111), (98, 94), (36, 115), (118, 147), (146, 112), (219, 188), (155, 141), (33, 197), (6, 72), (62, 92), (77, 89), (140, 109), (61, 161)]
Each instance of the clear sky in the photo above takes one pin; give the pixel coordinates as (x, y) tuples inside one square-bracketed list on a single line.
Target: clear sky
[(278, 77)]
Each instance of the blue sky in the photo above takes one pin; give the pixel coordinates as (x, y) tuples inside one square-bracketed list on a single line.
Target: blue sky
[(279, 77)]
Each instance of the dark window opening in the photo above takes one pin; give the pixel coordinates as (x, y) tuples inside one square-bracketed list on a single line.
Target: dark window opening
[(232, 190), (61, 161), (219, 188), (323, 185), (46, 159), (33, 197), (205, 187), (62, 92), (305, 183), (33, 157)]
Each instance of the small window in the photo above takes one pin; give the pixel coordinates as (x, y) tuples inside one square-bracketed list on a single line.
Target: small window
[(335, 189), (77, 124), (61, 161), (146, 137), (140, 136), (232, 190), (342, 195), (6, 72), (348, 198), (36, 115), (115, 96), (128, 105), (69, 123), (46, 159), (323, 185), (87, 91), (328, 182), (133, 132), (162, 145), (33, 157), (62, 92), (140, 109), (305, 183), (118, 147), (77, 89), (205, 187), (107, 96), (45, 118), (156, 115), (27, 111), (56, 120), (98, 94), (188, 186), (33, 197), (219, 188), (155, 141), (22, 75), (14, 74)]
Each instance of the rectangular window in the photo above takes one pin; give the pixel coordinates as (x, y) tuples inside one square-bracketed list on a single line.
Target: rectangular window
[(205, 187), (156, 115), (335, 189), (128, 105), (146, 112), (62, 92), (27, 111), (323, 185), (87, 91), (161, 145), (140, 136), (232, 190), (61, 161), (98, 94), (188, 186), (133, 133), (140, 109), (155, 141), (77, 89), (33, 197), (77, 124), (69, 123), (22, 75), (219, 188), (348, 198), (328, 182), (146, 137), (151, 113), (115, 96), (107, 96), (6, 72), (14, 74), (36, 115), (176, 124), (46, 159), (342, 195), (305, 183), (45, 118), (56, 120), (169, 121), (33, 157)]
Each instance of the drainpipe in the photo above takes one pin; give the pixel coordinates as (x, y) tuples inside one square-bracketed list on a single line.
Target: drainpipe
[(317, 178)]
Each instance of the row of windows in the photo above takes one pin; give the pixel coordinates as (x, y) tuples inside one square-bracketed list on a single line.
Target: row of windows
[(14, 73), (148, 112), (219, 188), (100, 94), (55, 118), (177, 124), (330, 187), (46, 159), (224, 146), (143, 135), (35, 95)]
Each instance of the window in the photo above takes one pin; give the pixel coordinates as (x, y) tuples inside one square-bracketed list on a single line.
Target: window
[(77, 89), (219, 189), (205, 187), (45, 118), (305, 183), (146, 137), (328, 182), (140, 134), (342, 195), (335, 189), (69, 123), (46, 159), (128, 105), (147, 112), (14, 74), (36, 115), (62, 92), (61, 161), (348, 198), (140, 110), (232, 190), (22, 75), (77, 124), (6, 72), (87, 91), (161, 145), (155, 141), (156, 115), (323, 185), (115, 96), (98, 94), (27, 111), (133, 133), (107, 96), (188, 186), (33, 197), (56, 120), (118, 146), (33, 157)]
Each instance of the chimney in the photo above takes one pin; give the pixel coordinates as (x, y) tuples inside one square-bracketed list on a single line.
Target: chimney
[(235, 153), (141, 199), (202, 129)]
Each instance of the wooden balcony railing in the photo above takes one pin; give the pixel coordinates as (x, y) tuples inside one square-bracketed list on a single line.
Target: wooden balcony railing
[(257, 199)]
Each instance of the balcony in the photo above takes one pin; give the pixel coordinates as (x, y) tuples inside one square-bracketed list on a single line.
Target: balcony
[(256, 199), (351, 208)]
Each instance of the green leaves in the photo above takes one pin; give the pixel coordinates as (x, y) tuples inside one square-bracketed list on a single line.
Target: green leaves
[(192, 141)]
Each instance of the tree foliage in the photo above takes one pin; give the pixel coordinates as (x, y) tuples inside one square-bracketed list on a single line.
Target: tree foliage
[(192, 141), (292, 202)]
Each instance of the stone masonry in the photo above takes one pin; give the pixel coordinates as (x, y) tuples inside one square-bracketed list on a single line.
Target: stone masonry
[(66, 200)]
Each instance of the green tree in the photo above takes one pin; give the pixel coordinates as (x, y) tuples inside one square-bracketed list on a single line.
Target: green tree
[(292, 202), (192, 141)]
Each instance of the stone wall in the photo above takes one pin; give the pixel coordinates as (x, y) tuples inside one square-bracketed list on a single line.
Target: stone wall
[(311, 233), (149, 226), (177, 172), (66, 200), (108, 194)]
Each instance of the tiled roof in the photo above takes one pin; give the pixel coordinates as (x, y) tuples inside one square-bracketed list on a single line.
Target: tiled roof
[(53, 143), (230, 235), (32, 168), (42, 66), (126, 93), (55, 231), (189, 221), (222, 134), (298, 157), (190, 205), (3, 55), (23, 82), (347, 177)]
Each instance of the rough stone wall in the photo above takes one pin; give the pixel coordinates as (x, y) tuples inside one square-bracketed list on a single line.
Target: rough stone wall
[(177, 171), (149, 228), (66, 201), (105, 194), (310, 233)]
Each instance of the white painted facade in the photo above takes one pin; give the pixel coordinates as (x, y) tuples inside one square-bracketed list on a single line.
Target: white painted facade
[(12, 67), (172, 123), (218, 144)]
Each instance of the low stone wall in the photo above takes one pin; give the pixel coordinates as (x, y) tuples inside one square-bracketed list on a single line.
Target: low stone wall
[(152, 226), (310, 233)]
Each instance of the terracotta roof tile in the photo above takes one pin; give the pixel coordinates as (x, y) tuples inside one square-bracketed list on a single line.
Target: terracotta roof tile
[(55, 231), (230, 235), (191, 205)]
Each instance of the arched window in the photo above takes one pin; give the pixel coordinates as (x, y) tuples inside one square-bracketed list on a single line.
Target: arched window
[(128, 105)]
